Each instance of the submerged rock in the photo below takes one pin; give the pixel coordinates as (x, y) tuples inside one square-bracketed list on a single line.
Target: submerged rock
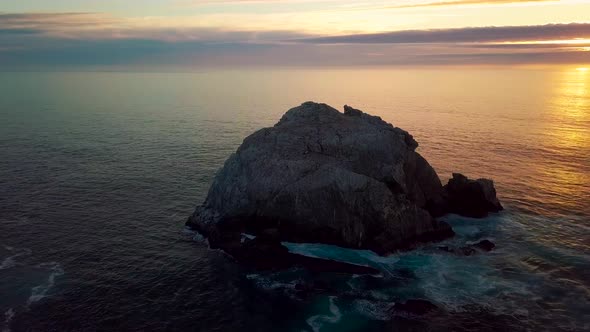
[(417, 307), (321, 176)]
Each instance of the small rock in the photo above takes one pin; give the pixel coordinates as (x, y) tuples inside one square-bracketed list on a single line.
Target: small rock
[(471, 198), (446, 249), (416, 307), (467, 251), (485, 245)]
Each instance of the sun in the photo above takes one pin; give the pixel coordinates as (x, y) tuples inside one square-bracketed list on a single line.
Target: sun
[(583, 69)]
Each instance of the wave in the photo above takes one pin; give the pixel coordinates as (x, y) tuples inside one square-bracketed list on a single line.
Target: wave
[(195, 236), (318, 321), (372, 309), (353, 256), (10, 261), (40, 292)]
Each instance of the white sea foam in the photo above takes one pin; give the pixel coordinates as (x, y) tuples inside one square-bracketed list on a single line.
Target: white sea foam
[(188, 230), (268, 282), (10, 261), (373, 310), (318, 321), (7, 263), (196, 236), (8, 315), (353, 256), (39, 292), (245, 236)]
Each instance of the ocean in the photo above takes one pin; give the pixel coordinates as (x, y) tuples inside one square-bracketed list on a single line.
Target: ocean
[(100, 170)]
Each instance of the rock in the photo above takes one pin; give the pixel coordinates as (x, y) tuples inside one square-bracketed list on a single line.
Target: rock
[(466, 251), (485, 245), (320, 176), (462, 251), (471, 198), (271, 234), (446, 249), (417, 307), (263, 254)]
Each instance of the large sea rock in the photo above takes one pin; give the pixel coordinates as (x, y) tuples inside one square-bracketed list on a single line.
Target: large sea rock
[(322, 176)]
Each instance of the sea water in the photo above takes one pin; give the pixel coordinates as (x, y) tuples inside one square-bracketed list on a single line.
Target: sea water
[(99, 171)]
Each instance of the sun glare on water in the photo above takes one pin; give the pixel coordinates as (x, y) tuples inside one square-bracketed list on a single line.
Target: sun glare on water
[(583, 69)]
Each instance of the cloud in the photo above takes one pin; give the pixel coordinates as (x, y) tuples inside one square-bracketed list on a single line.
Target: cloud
[(91, 39), (19, 31), (98, 26), (385, 4), (467, 2), (49, 21), (463, 35)]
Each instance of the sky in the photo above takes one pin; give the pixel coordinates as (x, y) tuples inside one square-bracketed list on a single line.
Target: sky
[(124, 34)]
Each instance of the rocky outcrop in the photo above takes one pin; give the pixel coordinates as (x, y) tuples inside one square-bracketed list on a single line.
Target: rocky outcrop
[(471, 198), (319, 175)]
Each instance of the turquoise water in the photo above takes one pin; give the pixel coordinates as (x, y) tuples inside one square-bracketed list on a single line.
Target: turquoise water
[(99, 171)]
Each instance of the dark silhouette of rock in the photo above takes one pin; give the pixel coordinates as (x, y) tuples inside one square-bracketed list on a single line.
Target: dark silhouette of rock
[(485, 245), (446, 249), (417, 307), (463, 251), (467, 251), (471, 198), (321, 176)]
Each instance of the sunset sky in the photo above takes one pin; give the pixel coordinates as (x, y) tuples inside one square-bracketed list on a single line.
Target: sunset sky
[(196, 33)]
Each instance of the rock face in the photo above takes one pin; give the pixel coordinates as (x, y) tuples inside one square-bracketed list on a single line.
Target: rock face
[(471, 198), (322, 176)]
